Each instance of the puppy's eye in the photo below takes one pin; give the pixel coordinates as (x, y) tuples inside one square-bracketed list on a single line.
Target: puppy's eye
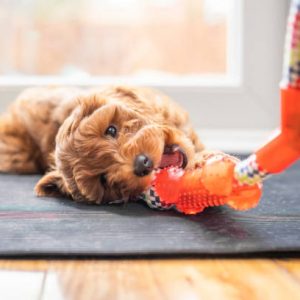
[(103, 179), (111, 130)]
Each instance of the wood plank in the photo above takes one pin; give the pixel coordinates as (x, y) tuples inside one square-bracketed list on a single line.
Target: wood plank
[(24, 265), (165, 279), (291, 266), (23, 285), (227, 279)]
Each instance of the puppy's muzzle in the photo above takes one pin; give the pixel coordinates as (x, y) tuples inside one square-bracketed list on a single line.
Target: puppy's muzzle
[(143, 165)]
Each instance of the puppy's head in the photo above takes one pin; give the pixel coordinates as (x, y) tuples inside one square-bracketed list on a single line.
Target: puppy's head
[(106, 151)]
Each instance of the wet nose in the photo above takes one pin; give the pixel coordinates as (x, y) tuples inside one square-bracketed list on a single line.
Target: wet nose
[(143, 165)]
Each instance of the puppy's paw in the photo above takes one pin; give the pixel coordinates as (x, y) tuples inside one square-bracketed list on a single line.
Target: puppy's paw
[(201, 157), (50, 184)]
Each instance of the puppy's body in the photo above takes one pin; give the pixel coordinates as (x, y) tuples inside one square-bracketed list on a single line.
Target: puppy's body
[(29, 128), (89, 142)]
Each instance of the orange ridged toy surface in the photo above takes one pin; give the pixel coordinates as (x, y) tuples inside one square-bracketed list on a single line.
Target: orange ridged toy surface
[(213, 184)]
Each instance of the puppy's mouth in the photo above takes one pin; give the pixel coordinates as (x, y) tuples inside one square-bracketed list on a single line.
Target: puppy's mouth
[(173, 156)]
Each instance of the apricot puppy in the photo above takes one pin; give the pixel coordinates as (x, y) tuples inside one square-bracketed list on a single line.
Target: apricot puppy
[(95, 145)]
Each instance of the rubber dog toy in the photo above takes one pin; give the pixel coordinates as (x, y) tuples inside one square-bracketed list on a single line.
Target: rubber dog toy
[(224, 180), (213, 184)]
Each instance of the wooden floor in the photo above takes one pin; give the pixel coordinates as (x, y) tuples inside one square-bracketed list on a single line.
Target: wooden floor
[(150, 279)]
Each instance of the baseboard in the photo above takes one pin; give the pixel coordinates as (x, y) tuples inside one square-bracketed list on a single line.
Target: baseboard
[(241, 141)]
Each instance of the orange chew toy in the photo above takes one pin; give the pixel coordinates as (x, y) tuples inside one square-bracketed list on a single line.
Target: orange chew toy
[(211, 185), (284, 149)]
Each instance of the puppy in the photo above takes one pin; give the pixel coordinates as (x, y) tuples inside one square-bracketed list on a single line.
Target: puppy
[(96, 145)]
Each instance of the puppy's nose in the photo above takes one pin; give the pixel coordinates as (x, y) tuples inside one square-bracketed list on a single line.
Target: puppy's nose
[(143, 165)]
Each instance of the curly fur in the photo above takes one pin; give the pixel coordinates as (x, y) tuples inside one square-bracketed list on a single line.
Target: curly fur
[(60, 132)]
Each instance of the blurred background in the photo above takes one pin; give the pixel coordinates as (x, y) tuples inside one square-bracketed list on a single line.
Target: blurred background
[(221, 60), (113, 37)]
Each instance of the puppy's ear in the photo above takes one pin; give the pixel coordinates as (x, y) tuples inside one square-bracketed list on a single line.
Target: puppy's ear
[(51, 184), (86, 106)]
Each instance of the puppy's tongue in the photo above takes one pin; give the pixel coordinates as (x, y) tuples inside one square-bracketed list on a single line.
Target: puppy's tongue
[(171, 159)]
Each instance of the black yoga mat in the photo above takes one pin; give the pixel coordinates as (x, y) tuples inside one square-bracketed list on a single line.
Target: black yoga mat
[(31, 226)]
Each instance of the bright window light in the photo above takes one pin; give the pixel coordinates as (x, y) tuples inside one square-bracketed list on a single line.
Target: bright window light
[(136, 38)]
